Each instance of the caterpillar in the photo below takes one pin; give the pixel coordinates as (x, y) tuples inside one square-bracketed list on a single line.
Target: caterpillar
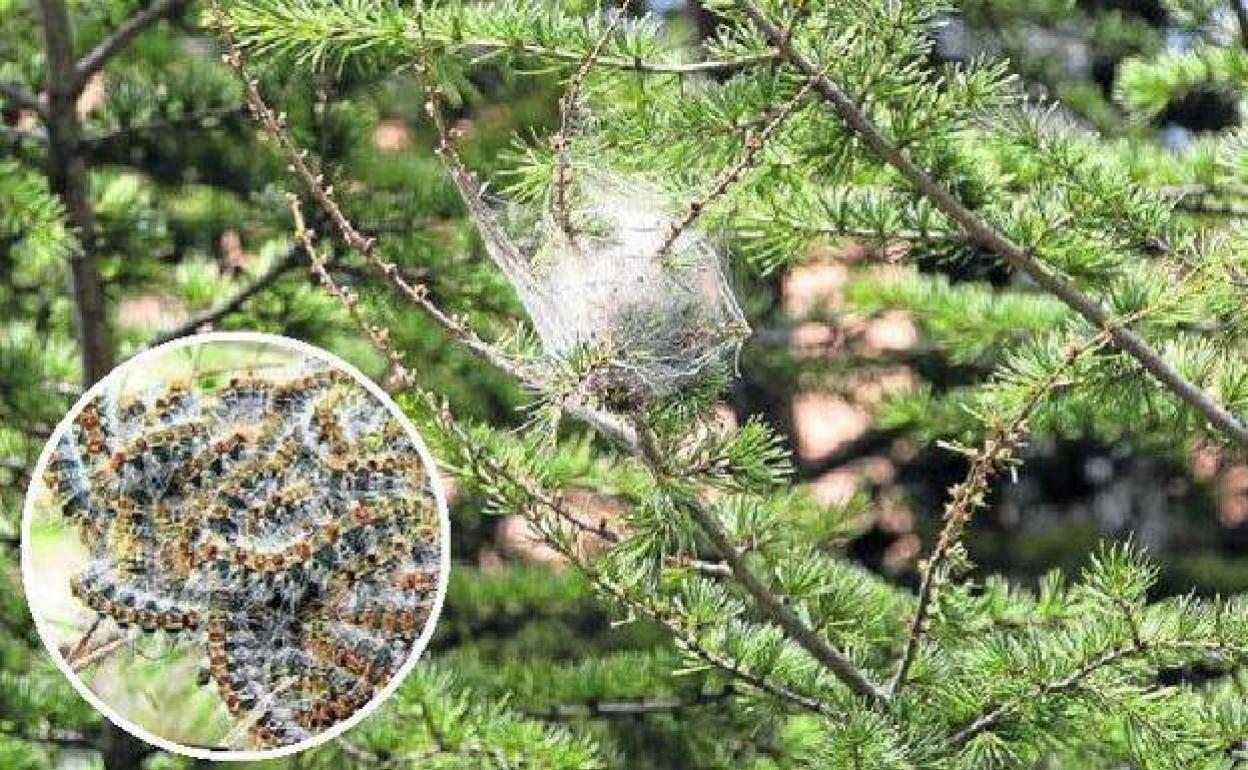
[(282, 528)]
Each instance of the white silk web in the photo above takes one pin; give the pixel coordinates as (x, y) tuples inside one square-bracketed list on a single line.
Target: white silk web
[(629, 284)]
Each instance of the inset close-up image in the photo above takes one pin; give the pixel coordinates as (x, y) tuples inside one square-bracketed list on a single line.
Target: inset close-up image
[(235, 543)]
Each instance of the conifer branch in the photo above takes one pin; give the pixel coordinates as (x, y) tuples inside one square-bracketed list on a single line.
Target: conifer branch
[(717, 569), (627, 709), (334, 30), (622, 64), (187, 120), (754, 144), (770, 605), (364, 245), (18, 95), (214, 314), (378, 336), (690, 642), (606, 424), (1137, 646), (968, 496), (992, 239), (990, 718), (560, 141), (120, 38), (487, 467)]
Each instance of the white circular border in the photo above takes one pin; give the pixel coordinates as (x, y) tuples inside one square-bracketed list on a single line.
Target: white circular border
[(435, 486)]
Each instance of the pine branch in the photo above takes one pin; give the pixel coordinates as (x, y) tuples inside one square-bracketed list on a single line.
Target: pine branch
[(311, 32), (17, 94), (187, 120), (121, 37), (363, 245), (1137, 646), (560, 142), (968, 496), (488, 466), (990, 718), (754, 145), (640, 66), (627, 709), (770, 605), (210, 316), (988, 237), (690, 642), (607, 425)]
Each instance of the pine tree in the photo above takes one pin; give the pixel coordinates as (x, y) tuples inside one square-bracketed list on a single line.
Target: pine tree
[(1078, 284)]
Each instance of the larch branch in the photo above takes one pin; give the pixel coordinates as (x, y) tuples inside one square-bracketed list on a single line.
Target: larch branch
[(213, 314), (770, 605), (559, 143), (966, 497), (120, 38), (992, 239), (15, 93)]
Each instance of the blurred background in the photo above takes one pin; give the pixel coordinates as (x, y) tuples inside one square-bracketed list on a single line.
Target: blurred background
[(857, 374)]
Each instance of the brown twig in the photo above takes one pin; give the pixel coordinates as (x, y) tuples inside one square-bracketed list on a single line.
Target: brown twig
[(560, 143), (754, 144), (364, 245), (968, 496), (16, 94), (627, 709), (91, 657), (210, 316), (81, 645), (988, 237), (772, 606), (121, 37), (379, 336)]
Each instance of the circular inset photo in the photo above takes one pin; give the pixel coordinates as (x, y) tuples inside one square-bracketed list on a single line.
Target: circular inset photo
[(235, 546)]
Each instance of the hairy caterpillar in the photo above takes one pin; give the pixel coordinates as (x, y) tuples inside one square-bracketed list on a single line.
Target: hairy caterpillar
[(283, 527)]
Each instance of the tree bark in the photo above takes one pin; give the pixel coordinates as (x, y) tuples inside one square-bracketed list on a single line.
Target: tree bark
[(67, 178)]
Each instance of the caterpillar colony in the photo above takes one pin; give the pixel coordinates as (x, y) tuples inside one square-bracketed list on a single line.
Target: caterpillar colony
[(285, 527)]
